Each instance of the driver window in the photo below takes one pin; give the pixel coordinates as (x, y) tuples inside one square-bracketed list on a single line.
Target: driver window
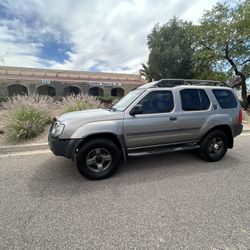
[(157, 102)]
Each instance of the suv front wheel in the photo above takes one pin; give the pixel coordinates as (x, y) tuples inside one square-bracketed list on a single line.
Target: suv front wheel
[(214, 146), (98, 159)]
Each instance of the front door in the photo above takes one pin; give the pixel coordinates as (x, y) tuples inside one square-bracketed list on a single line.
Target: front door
[(157, 124)]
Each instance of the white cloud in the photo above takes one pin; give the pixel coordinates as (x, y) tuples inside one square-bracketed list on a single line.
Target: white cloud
[(108, 35)]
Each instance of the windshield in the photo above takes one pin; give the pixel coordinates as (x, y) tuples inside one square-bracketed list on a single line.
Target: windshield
[(128, 99)]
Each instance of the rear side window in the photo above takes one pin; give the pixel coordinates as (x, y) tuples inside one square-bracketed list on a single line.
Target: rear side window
[(225, 98), (194, 99)]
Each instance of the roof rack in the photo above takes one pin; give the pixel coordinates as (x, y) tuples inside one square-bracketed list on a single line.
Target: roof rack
[(178, 82)]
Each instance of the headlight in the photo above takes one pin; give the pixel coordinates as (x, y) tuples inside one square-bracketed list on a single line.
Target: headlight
[(57, 128)]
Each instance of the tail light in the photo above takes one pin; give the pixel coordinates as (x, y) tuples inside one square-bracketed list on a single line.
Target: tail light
[(240, 116)]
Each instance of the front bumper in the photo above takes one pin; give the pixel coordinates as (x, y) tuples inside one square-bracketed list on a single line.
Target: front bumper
[(63, 147)]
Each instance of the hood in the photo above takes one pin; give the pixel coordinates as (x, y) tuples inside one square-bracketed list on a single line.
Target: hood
[(91, 115)]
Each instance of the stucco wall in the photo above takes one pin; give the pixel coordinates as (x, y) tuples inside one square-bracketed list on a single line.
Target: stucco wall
[(31, 79)]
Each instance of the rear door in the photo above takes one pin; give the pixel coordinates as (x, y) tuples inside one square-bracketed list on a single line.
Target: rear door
[(196, 109)]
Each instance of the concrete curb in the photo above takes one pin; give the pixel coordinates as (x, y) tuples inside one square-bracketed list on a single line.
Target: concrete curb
[(23, 148)]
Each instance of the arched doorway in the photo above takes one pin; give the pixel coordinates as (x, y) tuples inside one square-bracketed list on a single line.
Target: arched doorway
[(117, 92), (72, 90), (46, 90), (17, 89), (96, 91)]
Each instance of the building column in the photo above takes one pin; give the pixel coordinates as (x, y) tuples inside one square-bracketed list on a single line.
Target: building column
[(107, 91)]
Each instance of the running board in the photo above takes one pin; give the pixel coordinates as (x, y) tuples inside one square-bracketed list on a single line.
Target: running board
[(164, 150)]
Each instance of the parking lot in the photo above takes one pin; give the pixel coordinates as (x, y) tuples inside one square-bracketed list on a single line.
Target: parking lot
[(171, 201)]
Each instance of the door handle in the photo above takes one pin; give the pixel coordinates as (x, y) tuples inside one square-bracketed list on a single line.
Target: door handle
[(172, 118)]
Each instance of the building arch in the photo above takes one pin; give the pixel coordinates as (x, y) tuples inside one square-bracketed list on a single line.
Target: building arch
[(72, 90), (119, 92), (46, 90), (96, 91), (17, 89)]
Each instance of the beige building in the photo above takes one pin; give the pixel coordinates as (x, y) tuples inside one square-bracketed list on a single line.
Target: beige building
[(25, 81)]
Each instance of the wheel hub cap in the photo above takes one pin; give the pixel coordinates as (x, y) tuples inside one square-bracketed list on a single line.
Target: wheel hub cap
[(99, 160), (216, 146)]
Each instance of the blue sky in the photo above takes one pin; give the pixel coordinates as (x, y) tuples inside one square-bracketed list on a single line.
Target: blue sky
[(100, 35)]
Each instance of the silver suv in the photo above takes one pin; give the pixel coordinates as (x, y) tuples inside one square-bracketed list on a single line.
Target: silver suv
[(158, 117)]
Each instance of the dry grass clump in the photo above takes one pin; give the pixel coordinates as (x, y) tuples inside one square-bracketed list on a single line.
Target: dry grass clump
[(80, 102), (40, 102)]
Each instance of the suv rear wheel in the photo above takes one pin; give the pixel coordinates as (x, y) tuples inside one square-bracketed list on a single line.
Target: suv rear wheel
[(98, 159), (214, 146)]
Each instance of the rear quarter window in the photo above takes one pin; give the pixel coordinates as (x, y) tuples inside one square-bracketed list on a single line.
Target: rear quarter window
[(225, 98)]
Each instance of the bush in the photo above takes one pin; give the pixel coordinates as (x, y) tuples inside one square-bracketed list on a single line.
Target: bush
[(3, 98), (80, 102), (27, 122), (26, 116), (107, 99)]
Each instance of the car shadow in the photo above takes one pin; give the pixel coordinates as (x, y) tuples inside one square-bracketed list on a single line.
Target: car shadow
[(58, 177)]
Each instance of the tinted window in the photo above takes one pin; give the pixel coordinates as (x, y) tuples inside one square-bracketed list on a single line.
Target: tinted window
[(204, 99), (194, 99), (225, 98), (157, 102)]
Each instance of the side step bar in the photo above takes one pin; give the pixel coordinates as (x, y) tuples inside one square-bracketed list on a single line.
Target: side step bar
[(163, 150)]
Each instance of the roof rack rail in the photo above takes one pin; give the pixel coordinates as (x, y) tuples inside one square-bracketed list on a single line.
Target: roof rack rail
[(178, 82)]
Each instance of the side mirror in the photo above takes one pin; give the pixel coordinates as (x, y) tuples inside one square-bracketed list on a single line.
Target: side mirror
[(136, 110)]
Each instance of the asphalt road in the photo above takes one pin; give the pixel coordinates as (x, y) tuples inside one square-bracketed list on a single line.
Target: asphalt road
[(171, 201)]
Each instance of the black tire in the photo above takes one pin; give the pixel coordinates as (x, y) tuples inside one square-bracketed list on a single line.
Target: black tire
[(214, 146), (88, 163)]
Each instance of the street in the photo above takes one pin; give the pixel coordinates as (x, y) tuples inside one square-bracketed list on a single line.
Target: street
[(171, 201)]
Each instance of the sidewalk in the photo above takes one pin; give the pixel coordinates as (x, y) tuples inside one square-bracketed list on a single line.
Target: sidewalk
[(246, 127), (246, 121)]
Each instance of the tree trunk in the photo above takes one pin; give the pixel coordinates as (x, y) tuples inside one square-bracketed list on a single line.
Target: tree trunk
[(241, 75), (244, 90)]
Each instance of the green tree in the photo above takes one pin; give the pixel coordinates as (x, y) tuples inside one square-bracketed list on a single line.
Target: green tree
[(171, 51), (223, 39)]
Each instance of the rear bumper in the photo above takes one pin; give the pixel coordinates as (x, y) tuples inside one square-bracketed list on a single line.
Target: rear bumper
[(63, 147), (237, 130)]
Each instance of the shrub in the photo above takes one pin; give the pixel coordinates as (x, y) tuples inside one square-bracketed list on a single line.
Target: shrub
[(80, 102), (26, 116), (106, 99), (3, 98), (27, 122)]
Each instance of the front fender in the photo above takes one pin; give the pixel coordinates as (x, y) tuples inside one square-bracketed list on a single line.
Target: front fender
[(100, 128)]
